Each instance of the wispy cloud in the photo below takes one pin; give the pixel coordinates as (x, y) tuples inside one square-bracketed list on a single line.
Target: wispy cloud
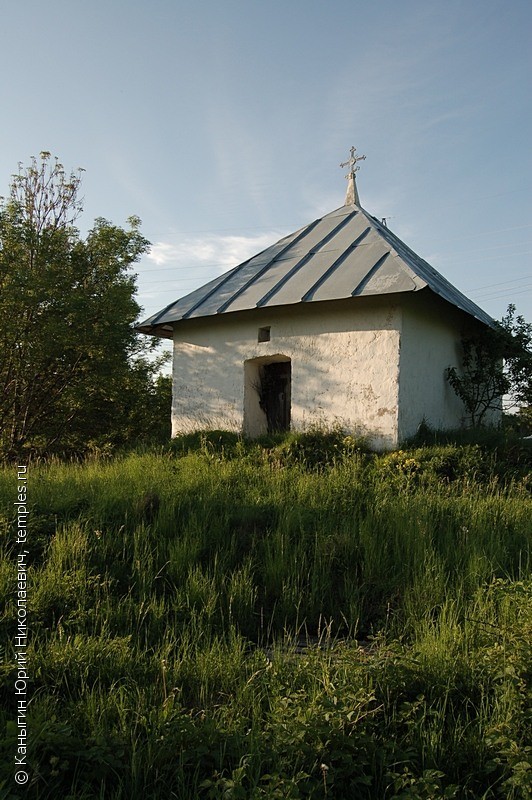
[(219, 252), (174, 268)]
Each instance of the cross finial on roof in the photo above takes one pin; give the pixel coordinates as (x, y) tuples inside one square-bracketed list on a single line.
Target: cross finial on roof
[(352, 162), (352, 193)]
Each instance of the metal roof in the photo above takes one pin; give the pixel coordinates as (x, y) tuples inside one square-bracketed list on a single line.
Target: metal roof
[(347, 253)]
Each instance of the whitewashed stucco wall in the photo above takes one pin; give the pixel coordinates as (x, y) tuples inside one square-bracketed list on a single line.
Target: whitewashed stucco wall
[(430, 343), (373, 367), (345, 366)]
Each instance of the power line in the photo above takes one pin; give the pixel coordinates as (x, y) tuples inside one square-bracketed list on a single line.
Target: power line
[(497, 258), (504, 293), (488, 249), (500, 283), (183, 267)]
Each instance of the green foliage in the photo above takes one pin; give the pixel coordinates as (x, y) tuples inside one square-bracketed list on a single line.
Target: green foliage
[(316, 449), (70, 371), (495, 362), (518, 356), (480, 383), (220, 621)]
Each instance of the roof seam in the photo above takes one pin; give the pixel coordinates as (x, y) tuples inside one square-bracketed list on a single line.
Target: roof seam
[(214, 289), (267, 266), (302, 261), (369, 275), (334, 266), (224, 278)]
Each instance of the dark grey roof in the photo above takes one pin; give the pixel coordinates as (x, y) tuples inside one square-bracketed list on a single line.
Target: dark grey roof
[(347, 253)]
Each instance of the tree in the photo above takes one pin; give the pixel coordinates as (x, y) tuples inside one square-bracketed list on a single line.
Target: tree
[(517, 355), (67, 345), (496, 365)]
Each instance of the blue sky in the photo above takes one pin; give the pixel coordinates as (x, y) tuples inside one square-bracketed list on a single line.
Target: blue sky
[(222, 125)]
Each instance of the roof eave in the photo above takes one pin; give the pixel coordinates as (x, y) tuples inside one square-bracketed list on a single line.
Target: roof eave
[(164, 331)]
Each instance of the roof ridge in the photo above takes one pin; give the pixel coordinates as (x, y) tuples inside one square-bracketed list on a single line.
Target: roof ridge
[(423, 266)]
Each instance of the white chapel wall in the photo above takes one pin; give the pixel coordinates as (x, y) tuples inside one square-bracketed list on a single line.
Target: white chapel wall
[(344, 357), (431, 336)]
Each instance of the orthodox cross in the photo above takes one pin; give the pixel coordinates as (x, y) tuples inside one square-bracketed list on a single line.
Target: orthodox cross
[(351, 163), (351, 196)]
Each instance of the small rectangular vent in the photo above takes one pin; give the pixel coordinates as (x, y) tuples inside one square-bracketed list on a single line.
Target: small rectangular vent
[(264, 334)]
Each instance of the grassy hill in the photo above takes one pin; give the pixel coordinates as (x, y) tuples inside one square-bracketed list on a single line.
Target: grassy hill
[(295, 618)]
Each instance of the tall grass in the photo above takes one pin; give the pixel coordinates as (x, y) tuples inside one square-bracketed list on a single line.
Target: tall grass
[(228, 620)]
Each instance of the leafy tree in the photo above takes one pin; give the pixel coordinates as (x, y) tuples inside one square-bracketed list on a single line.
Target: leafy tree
[(517, 356), (67, 346), (496, 363)]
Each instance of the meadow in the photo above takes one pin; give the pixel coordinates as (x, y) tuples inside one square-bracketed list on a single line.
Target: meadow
[(293, 618)]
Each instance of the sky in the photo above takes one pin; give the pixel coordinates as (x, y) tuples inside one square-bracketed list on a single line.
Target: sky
[(222, 125)]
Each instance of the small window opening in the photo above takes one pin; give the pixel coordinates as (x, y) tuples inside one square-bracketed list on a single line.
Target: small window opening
[(264, 334)]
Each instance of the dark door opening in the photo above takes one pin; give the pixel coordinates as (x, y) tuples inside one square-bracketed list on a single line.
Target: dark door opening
[(275, 395)]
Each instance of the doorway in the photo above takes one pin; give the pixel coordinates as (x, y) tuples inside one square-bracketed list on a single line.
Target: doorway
[(275, 379), (267, 395)]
